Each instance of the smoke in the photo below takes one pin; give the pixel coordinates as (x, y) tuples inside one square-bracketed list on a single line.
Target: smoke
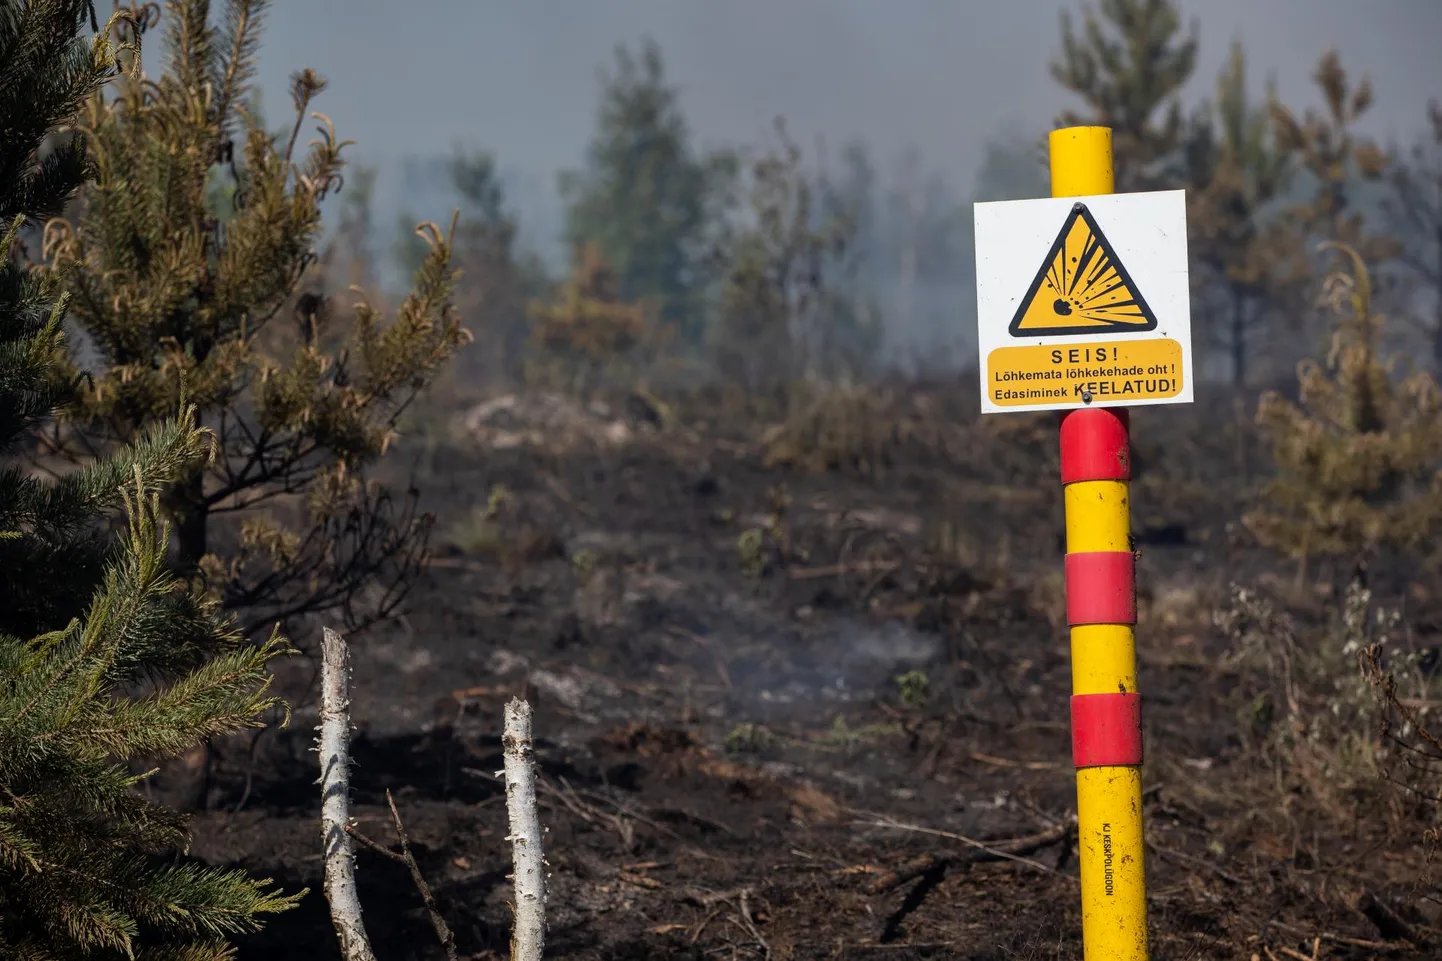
[(943, 79)]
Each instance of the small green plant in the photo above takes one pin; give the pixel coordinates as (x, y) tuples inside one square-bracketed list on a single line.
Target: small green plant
[(505, 531), (844, 736), (479, 533), (913, 688), (583, 562), (751, 549), (778, 502), (748, 738)]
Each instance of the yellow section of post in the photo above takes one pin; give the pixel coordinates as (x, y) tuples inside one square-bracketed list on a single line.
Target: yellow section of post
[(1103, 659), (1098, 518), (1081, 161), (1113, 881)]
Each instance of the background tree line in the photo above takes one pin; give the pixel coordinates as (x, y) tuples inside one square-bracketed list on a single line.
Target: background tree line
[(1265, 184)]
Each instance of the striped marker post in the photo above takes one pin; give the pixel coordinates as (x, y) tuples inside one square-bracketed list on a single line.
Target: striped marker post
[(1102, 613)]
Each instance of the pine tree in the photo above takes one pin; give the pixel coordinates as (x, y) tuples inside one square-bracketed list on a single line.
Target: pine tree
[(590, 334), (184, 261), (496, 281), (1128, 65), (1337, 160), (1414, 210), (1357, 458), (105, 658), (1238, 176), (646, 196), (785, 312), (1337, 167)]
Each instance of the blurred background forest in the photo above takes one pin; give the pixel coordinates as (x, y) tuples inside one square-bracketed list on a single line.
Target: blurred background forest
[(897, 134)]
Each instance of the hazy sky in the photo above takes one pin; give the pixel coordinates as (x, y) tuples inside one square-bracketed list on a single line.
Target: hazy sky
[(519, 77)]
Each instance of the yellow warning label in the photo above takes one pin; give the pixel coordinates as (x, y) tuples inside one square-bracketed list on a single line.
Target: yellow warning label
[(1082, 288), (1094, 374)]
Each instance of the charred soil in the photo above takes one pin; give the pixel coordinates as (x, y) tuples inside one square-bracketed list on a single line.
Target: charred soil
[(786, 683)]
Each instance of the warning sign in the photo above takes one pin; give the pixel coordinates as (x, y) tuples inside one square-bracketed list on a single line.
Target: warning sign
[(1083, 301), (1082, 288), (1143, 370)]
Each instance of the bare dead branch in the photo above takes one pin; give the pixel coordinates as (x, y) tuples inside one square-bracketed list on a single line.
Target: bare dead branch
[(448, 940), (992, 851), (882, 821)]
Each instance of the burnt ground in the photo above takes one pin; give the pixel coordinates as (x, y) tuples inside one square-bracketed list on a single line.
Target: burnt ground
[(732, 766)]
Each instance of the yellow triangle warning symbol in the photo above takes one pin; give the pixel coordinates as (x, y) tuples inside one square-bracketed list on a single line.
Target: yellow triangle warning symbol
[(1082, 288)]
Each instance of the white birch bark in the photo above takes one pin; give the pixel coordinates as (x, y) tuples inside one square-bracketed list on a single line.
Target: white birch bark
[(340, 892), (528, 861)]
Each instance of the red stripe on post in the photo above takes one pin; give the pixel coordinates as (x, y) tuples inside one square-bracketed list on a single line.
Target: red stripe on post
[(1095, 445), (1106, 729), (1101, 588)]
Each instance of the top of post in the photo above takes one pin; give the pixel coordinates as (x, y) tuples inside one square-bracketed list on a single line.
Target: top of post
[(1081, 161)]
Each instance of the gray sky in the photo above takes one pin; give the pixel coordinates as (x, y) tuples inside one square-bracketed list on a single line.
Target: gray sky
[(519, 77)]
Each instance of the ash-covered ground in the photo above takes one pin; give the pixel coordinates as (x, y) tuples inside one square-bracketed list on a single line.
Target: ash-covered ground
[(785, 683)]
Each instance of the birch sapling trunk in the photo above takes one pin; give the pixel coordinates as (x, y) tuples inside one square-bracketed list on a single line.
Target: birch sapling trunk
[(340, 892), (528, 861)]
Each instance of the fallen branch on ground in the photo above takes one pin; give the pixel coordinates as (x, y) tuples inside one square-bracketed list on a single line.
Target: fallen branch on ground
[(1333, 938), (1005, 762), (1388, 923), (404, 856), (834, 570), (991, 851), (345, 906), (1186, 858), (528, 860)]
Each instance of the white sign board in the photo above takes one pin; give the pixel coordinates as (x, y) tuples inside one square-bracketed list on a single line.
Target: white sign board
[(1083, 301)]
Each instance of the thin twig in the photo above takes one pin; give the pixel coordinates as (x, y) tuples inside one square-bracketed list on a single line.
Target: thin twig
[(744, 910), (340, 892), (882, 821), (1339, 938), (918, 866), (1005, 762), (831, 570), (373, 846), (448, 940), (1192, 859)]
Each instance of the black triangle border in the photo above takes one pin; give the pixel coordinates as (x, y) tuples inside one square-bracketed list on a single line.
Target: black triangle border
[(1080, 210)]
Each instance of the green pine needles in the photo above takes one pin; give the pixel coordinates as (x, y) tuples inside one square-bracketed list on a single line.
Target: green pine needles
[(106, 658), (193, 271), (1357, 456)]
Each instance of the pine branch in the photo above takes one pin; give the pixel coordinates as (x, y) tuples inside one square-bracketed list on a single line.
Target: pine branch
[(81, 867), (241, 39)]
